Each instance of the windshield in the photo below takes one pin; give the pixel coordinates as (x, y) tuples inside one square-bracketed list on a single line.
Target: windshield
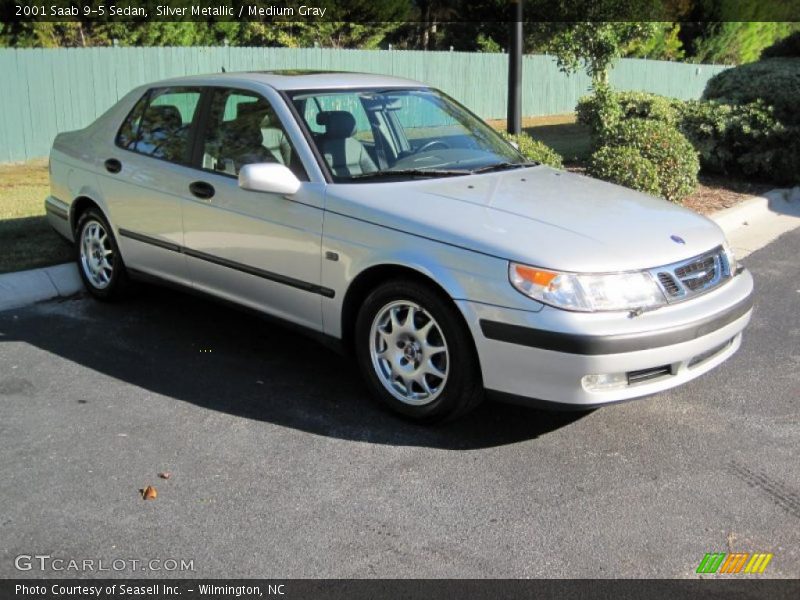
[(384, 135)]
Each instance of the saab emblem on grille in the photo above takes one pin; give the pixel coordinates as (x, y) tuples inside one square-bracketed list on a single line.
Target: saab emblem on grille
[(677, 239)]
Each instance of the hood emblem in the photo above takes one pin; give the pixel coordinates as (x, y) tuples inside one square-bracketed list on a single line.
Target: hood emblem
[(677, 239)]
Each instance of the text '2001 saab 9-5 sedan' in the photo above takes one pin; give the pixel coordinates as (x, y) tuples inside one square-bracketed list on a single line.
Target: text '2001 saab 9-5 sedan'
[(381, 214)]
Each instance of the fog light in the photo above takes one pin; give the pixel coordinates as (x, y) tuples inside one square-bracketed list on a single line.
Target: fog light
[(604, 381)]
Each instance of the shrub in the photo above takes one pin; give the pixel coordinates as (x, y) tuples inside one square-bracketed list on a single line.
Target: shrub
[(535, 150), (626, 166), (643, 105), (604, 109), (788, 46), (736, 139), (665, 146), (600, 112), (775, 81)]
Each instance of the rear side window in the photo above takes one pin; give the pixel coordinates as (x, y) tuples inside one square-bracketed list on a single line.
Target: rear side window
[(160, 124)]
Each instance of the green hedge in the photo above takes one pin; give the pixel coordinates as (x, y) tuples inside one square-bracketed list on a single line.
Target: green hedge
[(626, 166), (775, 81), (745, 140), (535, 150), (673, 156)]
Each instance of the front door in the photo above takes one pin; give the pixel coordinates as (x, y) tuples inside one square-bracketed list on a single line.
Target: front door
[(254, 248)]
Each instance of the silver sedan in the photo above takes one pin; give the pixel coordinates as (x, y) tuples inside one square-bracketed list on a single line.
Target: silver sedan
[(382, 216)]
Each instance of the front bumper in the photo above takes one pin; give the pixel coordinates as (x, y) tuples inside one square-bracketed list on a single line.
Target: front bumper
[(535, 357)]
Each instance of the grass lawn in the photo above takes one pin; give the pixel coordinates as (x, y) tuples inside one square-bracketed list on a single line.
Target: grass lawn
[(26, 240)]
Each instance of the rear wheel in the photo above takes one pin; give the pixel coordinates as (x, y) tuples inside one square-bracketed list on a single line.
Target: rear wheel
[(99, 261), (416, 353)]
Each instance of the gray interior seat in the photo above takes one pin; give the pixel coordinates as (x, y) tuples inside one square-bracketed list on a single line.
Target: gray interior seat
[(345, 155)]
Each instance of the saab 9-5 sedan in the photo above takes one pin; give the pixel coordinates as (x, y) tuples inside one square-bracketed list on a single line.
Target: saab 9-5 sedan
[(379, 213)]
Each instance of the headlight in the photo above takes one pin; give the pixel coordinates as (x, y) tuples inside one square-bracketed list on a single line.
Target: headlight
[(726, 248), (587, 292)]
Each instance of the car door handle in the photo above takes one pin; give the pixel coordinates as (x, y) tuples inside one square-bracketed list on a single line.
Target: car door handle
[(202, 190), (113, 165)]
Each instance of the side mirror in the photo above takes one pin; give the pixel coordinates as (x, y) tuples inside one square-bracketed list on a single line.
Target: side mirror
[(268, 177)]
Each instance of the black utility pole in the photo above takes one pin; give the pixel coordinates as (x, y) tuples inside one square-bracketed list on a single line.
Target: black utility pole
[(514, 124)]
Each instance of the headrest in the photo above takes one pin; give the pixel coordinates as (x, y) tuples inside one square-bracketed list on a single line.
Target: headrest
[(252, 111), (338, 123), (163, 116)]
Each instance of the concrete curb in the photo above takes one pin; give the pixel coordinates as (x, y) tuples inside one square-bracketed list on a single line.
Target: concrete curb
[(27, 287), (756, 222), (749, 225)]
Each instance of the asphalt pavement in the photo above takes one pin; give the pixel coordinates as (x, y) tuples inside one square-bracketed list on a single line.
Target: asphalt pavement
[(281, 466)]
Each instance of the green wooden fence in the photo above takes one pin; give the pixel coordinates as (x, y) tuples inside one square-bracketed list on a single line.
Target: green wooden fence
[(47, 91)]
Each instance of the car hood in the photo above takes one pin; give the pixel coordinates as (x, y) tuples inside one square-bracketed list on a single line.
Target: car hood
[(538, 215)]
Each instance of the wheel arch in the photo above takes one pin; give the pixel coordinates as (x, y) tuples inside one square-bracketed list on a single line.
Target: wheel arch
[(373, 276), (79, 206)]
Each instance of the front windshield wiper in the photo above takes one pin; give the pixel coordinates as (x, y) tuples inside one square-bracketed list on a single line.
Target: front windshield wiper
[(502, 166), (411, 173)]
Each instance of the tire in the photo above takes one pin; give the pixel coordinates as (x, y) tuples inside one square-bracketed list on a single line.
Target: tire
[(416, 353), (99, 260)]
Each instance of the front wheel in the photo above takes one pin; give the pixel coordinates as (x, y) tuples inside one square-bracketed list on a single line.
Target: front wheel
[(99, 261), (416, 353)]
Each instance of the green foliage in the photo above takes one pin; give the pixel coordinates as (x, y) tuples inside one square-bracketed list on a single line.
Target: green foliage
[(776, 81), (596, 45), (599, 111), (746, 140), (735, 42), (664, 44), (535, 150), (604, 109), (788, 46), (487, 44), (626, 166), (663, 145), (644, 105)]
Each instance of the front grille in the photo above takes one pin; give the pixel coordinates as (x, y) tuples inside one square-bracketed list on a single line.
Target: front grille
[(697, 275), (648, 374)]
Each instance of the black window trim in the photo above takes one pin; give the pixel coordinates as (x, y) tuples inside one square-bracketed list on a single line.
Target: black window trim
[(192, 138)]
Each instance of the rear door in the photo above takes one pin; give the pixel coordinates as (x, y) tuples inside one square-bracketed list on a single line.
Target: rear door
[(258, 249), (146, 176)]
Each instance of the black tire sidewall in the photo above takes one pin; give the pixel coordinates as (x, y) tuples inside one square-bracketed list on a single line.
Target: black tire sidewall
[(118, 276), (464, 387)]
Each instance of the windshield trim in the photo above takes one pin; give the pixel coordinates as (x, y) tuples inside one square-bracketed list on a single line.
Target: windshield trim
[(289, 96)]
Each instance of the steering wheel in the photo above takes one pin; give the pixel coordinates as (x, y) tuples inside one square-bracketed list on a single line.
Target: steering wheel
[(433, 144)]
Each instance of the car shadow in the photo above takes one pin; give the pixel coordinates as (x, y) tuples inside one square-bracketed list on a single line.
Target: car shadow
[(199, 351)]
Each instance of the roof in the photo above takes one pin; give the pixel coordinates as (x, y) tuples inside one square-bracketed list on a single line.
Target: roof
[(301, 79)]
